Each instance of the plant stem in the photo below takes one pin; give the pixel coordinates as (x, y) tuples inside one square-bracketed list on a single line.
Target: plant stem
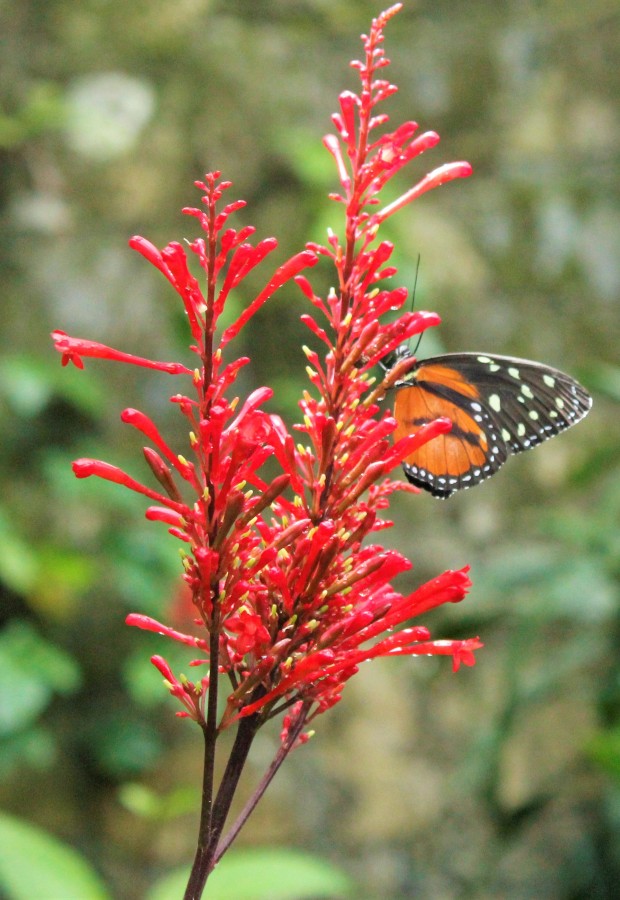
[(264, 783), (243, 741), (214, 813), (201, 865), (198, 875)]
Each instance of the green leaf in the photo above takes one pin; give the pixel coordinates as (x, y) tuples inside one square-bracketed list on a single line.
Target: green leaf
[(29, 382), (31, 670), (264, 874), (123, 746), (604, 749), (605, 378), (35, 865), (33, 747), (19, 566), (148, 804)]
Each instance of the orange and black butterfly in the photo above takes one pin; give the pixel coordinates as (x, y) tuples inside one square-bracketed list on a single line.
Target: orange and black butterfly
[(498, 405)]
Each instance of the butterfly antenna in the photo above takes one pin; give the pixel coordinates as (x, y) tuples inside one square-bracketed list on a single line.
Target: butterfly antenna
[(415, 284)]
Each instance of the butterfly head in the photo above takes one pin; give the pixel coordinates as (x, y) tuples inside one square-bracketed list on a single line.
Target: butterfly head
[(402, 352)]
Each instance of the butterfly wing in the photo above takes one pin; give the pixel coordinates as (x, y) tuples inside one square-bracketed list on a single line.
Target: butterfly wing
[(498, 405)]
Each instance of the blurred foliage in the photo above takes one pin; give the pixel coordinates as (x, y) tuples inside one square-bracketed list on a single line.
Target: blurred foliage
[(501, 781), (33, 864), (265, 874)]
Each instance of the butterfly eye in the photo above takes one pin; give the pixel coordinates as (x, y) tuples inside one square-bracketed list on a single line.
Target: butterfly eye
[(401, 352)]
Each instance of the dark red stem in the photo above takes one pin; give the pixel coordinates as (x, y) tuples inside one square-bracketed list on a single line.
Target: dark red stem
[(265, 781), (213, 814)]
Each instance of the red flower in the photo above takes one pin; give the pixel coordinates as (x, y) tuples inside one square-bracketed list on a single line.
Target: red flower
[(289, 595), (252, 636), (73, 349)]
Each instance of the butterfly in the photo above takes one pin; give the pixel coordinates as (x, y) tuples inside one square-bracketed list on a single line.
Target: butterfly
[(498, 405)]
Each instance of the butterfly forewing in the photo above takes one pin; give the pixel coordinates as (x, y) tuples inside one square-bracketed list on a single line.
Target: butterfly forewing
[(498, 405)]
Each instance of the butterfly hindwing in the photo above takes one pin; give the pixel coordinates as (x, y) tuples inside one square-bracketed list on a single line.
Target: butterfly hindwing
[(498, 406)]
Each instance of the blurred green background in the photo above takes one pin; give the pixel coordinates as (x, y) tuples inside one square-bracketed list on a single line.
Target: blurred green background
[(502, 780)]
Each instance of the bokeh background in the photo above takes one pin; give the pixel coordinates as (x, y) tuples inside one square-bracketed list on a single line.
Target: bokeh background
[(500, 781)]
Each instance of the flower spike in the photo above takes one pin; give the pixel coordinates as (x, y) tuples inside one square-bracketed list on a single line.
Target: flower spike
[(287, 589)]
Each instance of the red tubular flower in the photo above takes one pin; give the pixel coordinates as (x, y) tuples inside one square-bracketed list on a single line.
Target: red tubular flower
[(84, 468), (411, 442), (142, 422), (149, 624), (252, 636), (73, 349), (285, 273), (190, 695), (434, 179)]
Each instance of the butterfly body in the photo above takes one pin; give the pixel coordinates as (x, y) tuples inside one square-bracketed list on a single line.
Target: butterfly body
[(498, 406)]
